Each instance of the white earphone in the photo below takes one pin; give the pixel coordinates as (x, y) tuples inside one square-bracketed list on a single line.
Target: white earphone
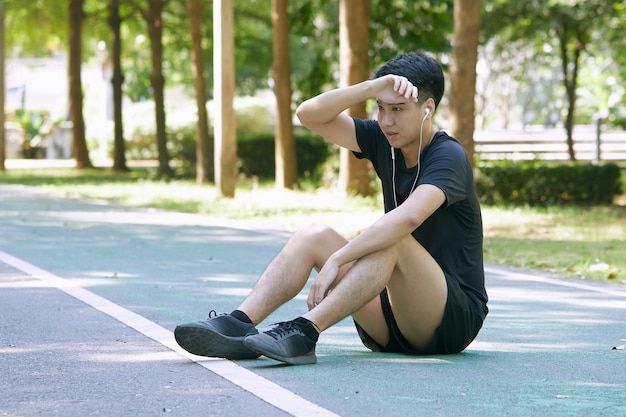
[(417, 173)]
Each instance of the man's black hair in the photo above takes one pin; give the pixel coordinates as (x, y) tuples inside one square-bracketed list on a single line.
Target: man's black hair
[(421, 70)]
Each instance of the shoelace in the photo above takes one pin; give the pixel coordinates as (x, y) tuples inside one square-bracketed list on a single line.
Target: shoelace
[(212, 315), (282, 329)]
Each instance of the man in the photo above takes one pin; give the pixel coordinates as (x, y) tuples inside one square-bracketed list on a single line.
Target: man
[(413, 281)]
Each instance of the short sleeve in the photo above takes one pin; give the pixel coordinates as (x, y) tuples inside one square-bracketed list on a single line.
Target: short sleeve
[(446, 166)]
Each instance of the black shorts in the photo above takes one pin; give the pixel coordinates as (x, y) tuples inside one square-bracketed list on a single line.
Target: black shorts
[(462, 319)]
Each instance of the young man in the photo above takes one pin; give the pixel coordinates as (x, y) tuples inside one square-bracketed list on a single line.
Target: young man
[(413, 281)]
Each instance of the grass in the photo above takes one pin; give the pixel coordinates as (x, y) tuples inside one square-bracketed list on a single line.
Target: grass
[(568, 241), (584, 242)]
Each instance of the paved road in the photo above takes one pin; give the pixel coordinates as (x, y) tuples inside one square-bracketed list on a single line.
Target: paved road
[(89, 294)]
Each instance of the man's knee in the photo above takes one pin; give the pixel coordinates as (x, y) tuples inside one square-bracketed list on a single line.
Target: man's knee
[(313, 231), (318, 240)]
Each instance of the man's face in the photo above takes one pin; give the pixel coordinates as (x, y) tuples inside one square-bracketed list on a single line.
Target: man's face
[(400, 121)]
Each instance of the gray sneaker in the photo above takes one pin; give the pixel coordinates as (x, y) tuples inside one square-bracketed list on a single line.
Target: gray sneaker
[(218, 337), (286, 343)]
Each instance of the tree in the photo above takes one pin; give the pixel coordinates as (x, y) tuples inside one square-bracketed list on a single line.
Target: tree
[(571, 24), (285, 151), (153, 17), (573, 36), (394, 26), (2, 89), (354, 63), (22, 16), (117, 80), (314, 26), (617, 47), (225, 142), (203, 160), (402, 26), (76, 16), (463, 72)]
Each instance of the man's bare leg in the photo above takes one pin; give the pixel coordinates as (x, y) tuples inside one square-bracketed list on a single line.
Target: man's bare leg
[(416, 286), (288, 273), (223, 336), (405, 267)]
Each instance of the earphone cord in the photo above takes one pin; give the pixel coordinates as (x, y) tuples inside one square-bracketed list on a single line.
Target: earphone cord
[(393, 167)]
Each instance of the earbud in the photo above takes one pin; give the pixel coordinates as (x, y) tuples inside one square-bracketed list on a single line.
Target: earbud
[(426, 113)]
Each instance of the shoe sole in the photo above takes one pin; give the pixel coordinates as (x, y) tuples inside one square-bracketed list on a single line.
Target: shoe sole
[(205, 342), (308, 359)]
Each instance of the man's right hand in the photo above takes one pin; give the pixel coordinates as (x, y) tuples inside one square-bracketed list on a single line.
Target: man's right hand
[(392, 89)]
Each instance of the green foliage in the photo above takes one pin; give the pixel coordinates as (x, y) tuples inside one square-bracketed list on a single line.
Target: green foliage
[(22, 17), (567, 36), (409, 25), (36, 126), (314, 45), (137, 70), (255, 151), (537, 183), (395, 26), (253, 46), (254, 118), (256, 155)]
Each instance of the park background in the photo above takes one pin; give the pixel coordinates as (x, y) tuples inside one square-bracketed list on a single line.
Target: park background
[(535, 94)]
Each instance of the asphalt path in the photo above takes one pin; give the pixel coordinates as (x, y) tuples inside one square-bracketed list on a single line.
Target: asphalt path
[(90, 293)]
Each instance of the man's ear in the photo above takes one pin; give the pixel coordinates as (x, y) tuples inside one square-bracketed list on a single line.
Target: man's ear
[(430, 108)]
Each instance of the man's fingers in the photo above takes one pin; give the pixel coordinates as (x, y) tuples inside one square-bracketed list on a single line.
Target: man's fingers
[(403, 87)]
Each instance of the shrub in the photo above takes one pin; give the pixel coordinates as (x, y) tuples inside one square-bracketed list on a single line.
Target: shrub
[(255, 151), (256, 154), (539, 183)]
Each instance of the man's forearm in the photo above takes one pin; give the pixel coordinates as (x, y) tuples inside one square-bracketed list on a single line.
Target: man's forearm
[(327, 106)]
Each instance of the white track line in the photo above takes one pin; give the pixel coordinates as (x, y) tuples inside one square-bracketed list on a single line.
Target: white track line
[(242, 377)]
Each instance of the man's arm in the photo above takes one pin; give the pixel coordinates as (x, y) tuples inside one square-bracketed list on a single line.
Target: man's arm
[(324, 114), (386, 231), (394, 225)]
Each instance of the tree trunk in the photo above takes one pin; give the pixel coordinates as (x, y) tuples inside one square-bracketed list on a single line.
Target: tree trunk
[(81, 154), (285, 149), (2, 90), (203, 157), (570, 80), (225, 136), (119, 148), (463, 72), (157, 81), (354, 18)]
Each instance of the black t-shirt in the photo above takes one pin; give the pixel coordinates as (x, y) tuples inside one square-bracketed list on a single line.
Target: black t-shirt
[(453, 234)]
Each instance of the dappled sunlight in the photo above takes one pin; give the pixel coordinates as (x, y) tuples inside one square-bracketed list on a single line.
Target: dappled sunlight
[(528, 317), (238, 292), (61, 284), (109, 275), (120, 357), (14, 350), (597, 384), (94, 282), (367, 356), (414, 360), (141, 217), (103, 352), (234, 278), (574, 299), (496, 221), (562, 224), (530, 347), (26, 284)]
